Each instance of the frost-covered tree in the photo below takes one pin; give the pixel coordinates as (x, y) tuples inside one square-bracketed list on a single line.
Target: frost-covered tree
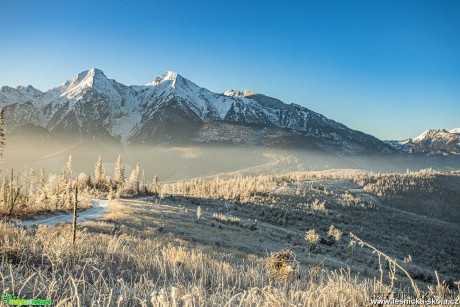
[(29, 183), (134, 179), (119, 176), (84, 181), (143, 185), (154, 185), (98, 171), (69, 195), (68, 167), (42, 179), (63, 180)]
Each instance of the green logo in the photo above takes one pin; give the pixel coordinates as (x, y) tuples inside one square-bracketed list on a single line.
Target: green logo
[(13, 300)]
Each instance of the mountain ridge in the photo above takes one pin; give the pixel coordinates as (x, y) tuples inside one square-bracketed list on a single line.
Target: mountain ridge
[(172, 109), (432, 142)]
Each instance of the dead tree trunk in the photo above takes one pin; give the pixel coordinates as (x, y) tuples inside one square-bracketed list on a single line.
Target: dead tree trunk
[(75, 205), (11, 192)]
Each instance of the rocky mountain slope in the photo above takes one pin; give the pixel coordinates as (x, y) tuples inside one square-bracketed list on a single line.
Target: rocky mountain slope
[(173, 110), (431, 142)]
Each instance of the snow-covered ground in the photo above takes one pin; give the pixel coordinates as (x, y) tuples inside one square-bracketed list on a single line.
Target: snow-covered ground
[(99, 208)]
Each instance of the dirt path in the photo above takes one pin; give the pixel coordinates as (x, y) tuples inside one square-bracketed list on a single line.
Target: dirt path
[(99, 208)]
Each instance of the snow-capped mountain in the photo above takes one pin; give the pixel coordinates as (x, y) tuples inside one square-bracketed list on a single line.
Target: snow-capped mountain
[(9, 95), (173, 110), (431, 142)]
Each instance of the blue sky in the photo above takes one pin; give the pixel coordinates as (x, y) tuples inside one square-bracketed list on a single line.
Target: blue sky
[(389, 68)]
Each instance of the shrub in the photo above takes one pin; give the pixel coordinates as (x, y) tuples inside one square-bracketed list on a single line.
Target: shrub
[(226, 219), (282, 264), (334, 233), (312, 238)]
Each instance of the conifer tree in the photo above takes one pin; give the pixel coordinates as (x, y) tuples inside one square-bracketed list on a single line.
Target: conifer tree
[(154, 188), (63, 180), (98, 172), (144, 188), (42, 179), (134, 179), (68, 168), (119, 176)]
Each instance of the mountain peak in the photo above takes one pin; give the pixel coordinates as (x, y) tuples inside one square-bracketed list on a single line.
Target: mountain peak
[(237, 93), (91, 78), (427, 134), (91, 74), (169, 76), (432, 141), (87, 76), (95, 71)]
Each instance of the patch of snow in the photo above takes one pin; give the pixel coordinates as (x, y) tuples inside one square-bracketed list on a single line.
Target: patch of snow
[(99, 209), (422, 136), (237, 93)]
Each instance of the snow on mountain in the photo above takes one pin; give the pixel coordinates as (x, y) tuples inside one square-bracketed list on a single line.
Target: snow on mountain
[(21, 94), (431, 142), (423, 135), (403, 145), (236, 93), (172, 109), (455, 131)]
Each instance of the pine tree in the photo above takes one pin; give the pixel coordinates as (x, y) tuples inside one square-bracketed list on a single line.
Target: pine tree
[(119, 176), (68, 195), (30, 181), (154, 186), (98, 172), (2, 135), (89, 182), (63, 180), (144, 188), (68, 167), (42, 179), (134, 179)]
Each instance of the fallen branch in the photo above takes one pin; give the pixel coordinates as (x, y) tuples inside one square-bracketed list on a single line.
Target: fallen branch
[(390, 260)]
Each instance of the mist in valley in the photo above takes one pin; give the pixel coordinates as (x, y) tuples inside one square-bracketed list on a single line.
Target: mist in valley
[(289, 220), (171, 163)]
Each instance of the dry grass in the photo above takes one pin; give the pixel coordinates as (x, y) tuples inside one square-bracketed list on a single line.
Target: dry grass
[(104, 270), (226, 219), (154, 258)]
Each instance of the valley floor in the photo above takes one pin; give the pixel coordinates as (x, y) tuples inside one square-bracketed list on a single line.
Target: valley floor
[(152, 252)]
